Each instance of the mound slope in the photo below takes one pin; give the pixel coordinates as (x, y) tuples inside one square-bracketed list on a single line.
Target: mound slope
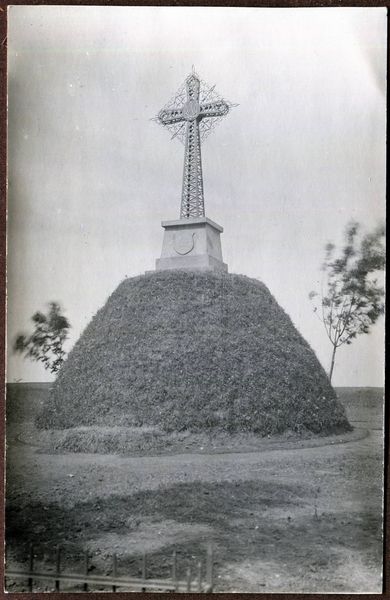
[(193, 350)]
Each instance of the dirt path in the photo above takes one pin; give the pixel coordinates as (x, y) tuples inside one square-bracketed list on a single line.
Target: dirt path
[(68, 477)]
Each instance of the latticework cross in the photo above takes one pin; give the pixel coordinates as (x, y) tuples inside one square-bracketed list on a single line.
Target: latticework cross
[(193, 114)]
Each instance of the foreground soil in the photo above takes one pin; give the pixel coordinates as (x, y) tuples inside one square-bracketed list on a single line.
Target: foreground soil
[(281, 520)]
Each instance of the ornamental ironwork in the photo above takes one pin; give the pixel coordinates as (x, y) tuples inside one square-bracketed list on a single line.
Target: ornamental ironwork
[(190, 116)]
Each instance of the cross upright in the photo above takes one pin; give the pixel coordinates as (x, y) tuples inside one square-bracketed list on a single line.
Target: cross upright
[(192, 113)]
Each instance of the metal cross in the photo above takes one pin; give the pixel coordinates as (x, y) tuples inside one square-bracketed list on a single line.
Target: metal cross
[(192, 114)]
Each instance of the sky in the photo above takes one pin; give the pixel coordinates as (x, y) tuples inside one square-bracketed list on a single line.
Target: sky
[(91, 175)]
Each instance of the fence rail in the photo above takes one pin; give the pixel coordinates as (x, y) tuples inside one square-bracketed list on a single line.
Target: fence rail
[(194, 581)]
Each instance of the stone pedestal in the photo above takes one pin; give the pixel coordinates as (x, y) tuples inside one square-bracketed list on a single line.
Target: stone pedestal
[(191, 244)]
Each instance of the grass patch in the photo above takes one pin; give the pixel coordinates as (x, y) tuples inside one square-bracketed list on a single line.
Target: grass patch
[(240, 515), (149, 441)]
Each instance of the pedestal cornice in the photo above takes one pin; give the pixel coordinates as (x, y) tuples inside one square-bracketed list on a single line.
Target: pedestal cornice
[(190, 222)]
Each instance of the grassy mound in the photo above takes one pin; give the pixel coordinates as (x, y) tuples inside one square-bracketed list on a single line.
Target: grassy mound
[(193, 351)]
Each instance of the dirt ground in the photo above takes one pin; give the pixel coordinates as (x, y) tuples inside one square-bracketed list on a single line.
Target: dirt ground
[(302, 520)]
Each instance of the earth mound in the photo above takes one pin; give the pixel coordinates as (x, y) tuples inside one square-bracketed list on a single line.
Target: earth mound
[(193, 351)]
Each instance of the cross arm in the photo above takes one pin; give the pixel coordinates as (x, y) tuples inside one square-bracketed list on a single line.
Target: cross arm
[(214, 109), (168, 116)]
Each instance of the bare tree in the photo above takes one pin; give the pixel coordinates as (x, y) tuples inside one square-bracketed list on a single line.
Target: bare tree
[(351, 299), (46, 342)]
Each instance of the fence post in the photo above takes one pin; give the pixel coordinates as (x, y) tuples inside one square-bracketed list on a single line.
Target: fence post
[(30, 567), (201, 583), (199, 576), (174, 570), (86, 567), (58, 569), (114, 570), (210, 568)]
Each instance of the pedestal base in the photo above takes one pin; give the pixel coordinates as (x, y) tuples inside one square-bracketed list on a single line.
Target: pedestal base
[(191, 244)]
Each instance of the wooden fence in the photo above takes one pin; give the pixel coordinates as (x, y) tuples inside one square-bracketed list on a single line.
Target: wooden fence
[(194, 581)]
